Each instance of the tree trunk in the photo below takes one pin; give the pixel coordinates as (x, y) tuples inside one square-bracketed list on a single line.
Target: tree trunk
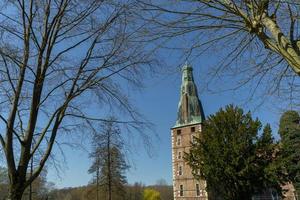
[(97, 180), (30, 186), (109, 167), (15, 192)]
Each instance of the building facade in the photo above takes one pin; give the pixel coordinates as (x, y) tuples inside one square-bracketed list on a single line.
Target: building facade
[(188, 126)]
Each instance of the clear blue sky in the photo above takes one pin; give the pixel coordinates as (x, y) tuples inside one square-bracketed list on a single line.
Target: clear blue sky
[(158, 103)]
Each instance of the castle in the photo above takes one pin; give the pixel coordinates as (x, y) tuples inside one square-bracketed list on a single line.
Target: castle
[(187, 128)]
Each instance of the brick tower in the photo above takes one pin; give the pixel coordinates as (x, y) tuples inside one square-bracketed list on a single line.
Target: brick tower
[(188, 126)]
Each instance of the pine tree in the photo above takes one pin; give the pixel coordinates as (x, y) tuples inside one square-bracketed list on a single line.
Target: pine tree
[(231, 155), (109, 164), (289, 130)]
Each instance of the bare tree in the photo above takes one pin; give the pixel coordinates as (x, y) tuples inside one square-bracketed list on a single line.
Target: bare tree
[(59, 59), (257, 39)]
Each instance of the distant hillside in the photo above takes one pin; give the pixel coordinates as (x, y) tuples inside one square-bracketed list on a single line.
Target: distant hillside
[(133, 192)]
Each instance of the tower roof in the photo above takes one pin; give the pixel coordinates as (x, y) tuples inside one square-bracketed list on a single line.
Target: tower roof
[(190, 109)]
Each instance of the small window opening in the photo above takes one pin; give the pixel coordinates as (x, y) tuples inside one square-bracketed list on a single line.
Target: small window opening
[(197, 190), (178, 141), (179, 155), (180, 170), (181, 190)]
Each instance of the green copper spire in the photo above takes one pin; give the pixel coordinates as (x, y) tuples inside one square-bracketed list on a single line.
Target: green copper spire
[(190, 110)]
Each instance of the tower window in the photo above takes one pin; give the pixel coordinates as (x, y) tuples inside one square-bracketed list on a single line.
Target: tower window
[(179, 155), (197, 190), (181, 190), (178, 131), (180, 171), (193, 129), (178, 140)]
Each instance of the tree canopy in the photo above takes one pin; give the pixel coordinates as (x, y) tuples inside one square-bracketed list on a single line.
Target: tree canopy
[(232, 157), (289, 130)]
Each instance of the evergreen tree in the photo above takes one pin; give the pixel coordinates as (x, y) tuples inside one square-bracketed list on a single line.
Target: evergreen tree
[(268, 170), (232, 157), (289, 130), (109, 165)]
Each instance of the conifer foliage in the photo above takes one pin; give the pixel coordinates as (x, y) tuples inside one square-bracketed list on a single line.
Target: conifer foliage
[(109, 164), (289, 130), (232, 156)]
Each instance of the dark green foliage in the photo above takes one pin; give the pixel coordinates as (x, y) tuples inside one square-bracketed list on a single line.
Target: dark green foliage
[(231, 156), (289, 130), (268, 170)]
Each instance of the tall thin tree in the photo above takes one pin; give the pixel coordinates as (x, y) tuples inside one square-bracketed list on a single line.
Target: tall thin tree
[(109, 163)]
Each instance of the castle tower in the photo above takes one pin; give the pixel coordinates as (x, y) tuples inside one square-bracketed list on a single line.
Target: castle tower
[(188, 126)]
